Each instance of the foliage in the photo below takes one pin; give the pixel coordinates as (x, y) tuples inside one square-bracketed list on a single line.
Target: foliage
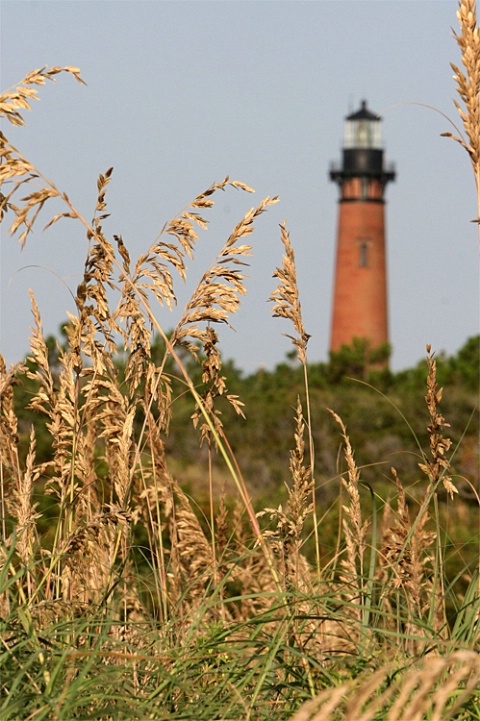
[(359, 360)]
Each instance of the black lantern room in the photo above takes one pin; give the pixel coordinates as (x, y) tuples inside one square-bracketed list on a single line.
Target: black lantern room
[(362, 148)]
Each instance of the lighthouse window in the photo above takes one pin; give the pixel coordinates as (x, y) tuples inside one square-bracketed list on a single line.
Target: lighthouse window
[(363, 254), (364, 134)]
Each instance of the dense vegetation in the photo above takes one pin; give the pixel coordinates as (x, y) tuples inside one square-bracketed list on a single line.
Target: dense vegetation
[(385, 413), (163, 557), (375, 405)]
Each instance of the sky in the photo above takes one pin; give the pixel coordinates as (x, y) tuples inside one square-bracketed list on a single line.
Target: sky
[(181, 94)]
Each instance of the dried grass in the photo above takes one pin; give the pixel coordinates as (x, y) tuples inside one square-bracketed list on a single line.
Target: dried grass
[(406, 564), (354, 528), (468, 88), (226, 583), (434, 687), (286, 304), (287, 538)]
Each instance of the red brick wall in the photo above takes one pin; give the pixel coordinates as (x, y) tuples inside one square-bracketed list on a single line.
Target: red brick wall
[(360, 291)]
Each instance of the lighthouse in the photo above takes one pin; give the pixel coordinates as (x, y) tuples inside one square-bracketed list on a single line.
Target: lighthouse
[(360, 308)]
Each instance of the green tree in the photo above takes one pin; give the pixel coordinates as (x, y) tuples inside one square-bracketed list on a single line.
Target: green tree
[(359, 360)]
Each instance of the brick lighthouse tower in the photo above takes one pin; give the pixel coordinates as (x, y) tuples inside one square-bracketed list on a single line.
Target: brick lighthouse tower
[(360, 291)]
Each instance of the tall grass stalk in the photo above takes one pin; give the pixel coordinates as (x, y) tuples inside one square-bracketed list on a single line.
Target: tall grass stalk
[(286, 300)]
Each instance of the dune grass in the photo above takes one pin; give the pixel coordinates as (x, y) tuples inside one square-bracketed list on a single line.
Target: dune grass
[(133, 606)]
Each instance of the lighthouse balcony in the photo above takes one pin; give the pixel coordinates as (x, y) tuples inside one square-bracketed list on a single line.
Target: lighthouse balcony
[(362, 162)]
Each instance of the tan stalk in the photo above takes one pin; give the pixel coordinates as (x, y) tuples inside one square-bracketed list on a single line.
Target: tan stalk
[(437, 469), (354, 528), (218, 435), (286, 300), (468, 89), (9, 461)]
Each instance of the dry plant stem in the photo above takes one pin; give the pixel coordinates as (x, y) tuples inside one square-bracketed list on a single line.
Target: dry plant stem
[(355, 530), (406, 545), (239, 482), (155, 531), (216, 433), (212, 512), (220, 439), (437, 469), (2, 504), (286, 300), (53, 191), (422, 690), (311, 449), (9, 457), (156, 541), (406, 563), (468, 89)]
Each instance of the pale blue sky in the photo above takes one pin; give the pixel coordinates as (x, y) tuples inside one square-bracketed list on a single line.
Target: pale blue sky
[(181, 94)]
